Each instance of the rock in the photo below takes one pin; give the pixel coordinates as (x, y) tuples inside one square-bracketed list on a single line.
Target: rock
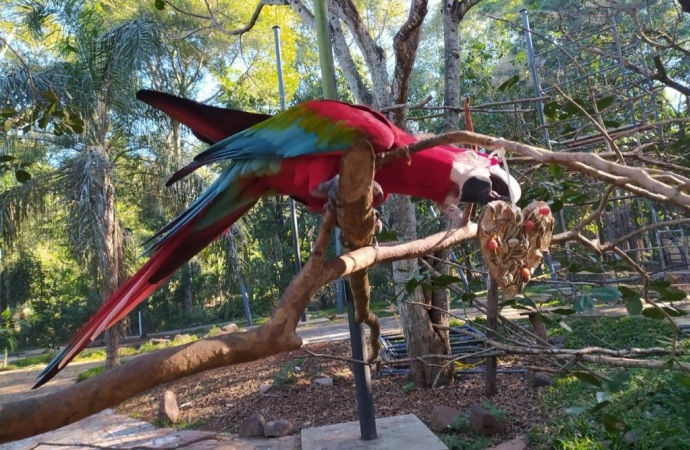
[(333, 317), (327, 381), (230, 328), (537, 380), (252, 426), (264, 388), (167, 409), (483, 422), (557, 340), (159, 341), (181, 337), (442, 418), (278, 428), (514, 444), (629, 437)]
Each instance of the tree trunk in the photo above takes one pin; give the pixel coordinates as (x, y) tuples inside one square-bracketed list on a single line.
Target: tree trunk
[(186, 286), (114, 266)]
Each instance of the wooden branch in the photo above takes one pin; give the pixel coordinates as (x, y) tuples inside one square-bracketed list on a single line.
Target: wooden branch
[(357, 220)]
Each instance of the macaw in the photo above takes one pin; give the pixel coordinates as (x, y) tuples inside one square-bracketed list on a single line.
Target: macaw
[(291, 153)]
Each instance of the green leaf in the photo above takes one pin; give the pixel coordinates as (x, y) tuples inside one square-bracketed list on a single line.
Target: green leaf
[(7, 112), (653, 313), (556, 171), (8, 124), (160, 5), (673, 312), (525, 302), (510, 82), (583, 303), (563, 311), (556, 205), (606, 294), (387, 236), (565, 326), (627, 292), (600, 406), (612, 123), (408, 387), (617, 380), (660, 284), (683, 379), (575, 410), (445, 280), (468, 296), (539, 317), (6, 158), (22, 175), (602, 397), (551, 110), (612, 423), (588, 378), (672, 295), (634, 305), (605, 102)]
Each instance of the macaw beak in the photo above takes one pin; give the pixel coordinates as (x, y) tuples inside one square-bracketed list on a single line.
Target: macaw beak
[(499, 185)]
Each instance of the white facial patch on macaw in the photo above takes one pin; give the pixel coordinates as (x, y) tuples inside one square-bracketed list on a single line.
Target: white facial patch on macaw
[(461, 172)]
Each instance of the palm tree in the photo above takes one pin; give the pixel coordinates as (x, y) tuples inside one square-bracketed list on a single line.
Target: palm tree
[(92, 68)]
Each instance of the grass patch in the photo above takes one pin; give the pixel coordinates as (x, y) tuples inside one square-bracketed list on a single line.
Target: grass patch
[(180, 424), (35, 360), (90, 373), (651, 404), (287, 374)]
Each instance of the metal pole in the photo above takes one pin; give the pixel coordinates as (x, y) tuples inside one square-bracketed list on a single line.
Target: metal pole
[(540, 110), (293, 211), (365, 401), (323, 37), (245, 303), (141, 333), (339, 284)]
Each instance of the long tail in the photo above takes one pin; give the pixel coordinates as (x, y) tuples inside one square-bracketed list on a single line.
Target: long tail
[(208, 123), (222, 204)]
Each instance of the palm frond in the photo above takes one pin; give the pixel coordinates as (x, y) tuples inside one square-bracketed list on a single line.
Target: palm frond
[(20, 203)]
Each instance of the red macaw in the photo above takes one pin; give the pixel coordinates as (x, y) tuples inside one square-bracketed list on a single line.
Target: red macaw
[(290, 153)]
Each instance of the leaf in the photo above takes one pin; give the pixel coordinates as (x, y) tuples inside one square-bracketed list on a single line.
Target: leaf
[(627, 292), (22, 175), (612, 123), (617, 380), (539, 317), (672, 295), (673, 312), (445, 280), (563, 311), (408, 387), (8, 124), (160, 5), (602, 397), (583, 303), (588, 378), (387, 236), (605, 102), (551, 110), (6, 158), (634, 305), (660, 284), (612, 423), (575, 410), (509, 83), (653, 313), (526, 302), (599, 406), (565, 326), (606, 294), (556, 171), (683, 379), (8, 112), (556, 205)]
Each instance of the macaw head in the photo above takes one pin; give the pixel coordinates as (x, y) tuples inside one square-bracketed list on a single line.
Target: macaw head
[(482, 180)]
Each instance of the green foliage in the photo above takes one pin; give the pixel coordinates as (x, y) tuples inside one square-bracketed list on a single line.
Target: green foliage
[(596, 413), (90, 373), (289, 373)]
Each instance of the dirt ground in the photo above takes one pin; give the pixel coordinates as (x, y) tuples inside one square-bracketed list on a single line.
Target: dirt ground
[(220, 399)]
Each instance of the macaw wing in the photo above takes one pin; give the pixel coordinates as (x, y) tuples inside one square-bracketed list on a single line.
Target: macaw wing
[(310, 128), (208, 123)]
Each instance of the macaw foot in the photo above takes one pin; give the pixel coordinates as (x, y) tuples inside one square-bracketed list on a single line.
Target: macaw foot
[(458, 218), (329, 189)]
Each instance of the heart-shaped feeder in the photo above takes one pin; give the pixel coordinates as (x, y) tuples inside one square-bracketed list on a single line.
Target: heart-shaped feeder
[(513, 241)]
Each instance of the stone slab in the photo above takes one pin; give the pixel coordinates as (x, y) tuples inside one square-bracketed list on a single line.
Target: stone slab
[(394, 433)]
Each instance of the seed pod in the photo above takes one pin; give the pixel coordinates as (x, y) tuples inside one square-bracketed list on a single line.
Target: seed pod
[(492, 245), (529, 225), (526, 273)]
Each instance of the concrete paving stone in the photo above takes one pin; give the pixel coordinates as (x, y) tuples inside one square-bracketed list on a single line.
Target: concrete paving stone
[(394, 433)]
